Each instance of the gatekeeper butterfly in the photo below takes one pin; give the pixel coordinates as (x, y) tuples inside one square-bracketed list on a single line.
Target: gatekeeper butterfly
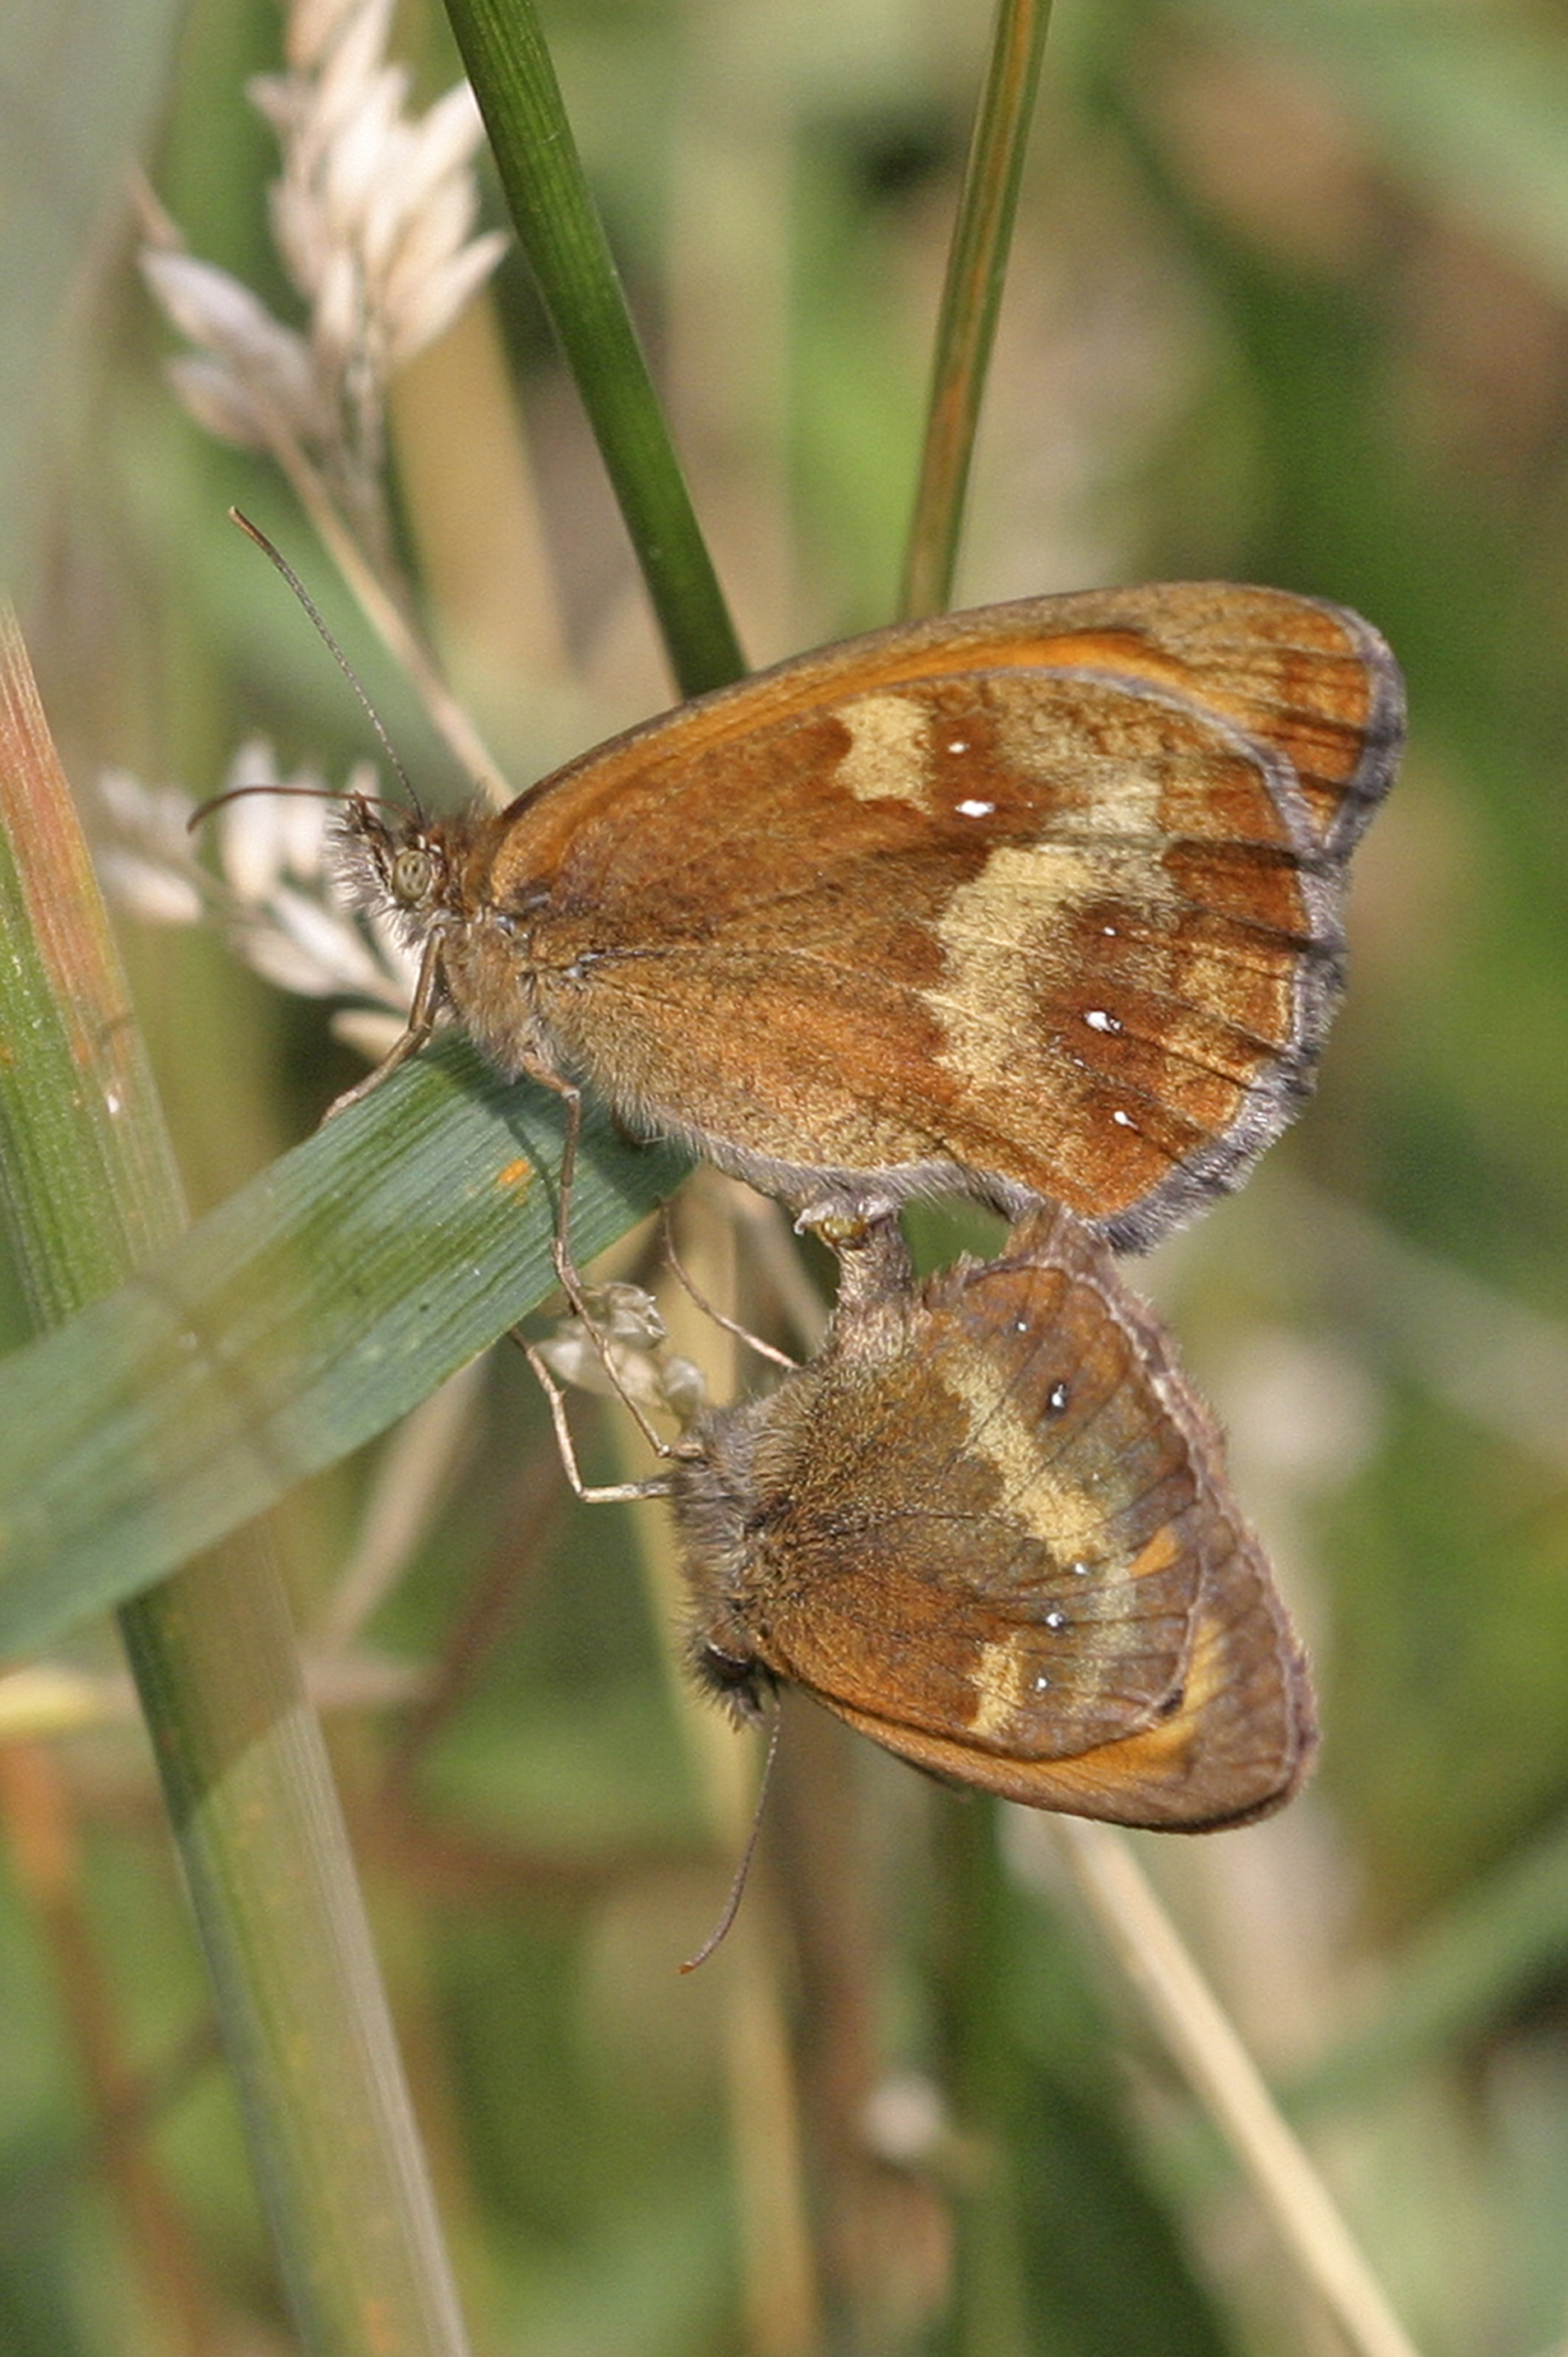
[(989, 1526), (1041, 902)]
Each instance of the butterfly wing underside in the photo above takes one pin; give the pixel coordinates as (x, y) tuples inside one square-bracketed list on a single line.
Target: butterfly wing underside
[(1050, 893), (1005, 1550)]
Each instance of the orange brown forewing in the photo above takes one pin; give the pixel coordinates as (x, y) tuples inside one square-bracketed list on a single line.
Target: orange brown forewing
[(989, 1526), (1042, 902)]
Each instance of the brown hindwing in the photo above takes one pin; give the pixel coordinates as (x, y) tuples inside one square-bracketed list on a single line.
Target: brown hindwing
[(990, 1526)]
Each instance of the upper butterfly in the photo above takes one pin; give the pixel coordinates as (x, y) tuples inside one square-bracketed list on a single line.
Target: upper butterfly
[(1039, 901)]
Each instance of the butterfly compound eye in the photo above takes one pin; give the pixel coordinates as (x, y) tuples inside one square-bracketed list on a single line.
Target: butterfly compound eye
[(413, 876)]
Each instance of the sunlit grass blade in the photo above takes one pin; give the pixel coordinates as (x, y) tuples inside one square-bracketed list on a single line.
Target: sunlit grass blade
[(1204, 2041), (89, 1186)]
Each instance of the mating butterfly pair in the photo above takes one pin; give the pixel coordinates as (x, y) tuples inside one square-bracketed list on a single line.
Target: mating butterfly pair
[(1041, 903)]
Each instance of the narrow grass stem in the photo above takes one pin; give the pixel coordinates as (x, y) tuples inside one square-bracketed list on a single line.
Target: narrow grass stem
[(972, 298), (1227, 2080), (89, 1191)]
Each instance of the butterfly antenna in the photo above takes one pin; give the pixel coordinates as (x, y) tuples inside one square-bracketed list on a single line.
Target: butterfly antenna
[(731, 1908), (204, 811), (254, 532)]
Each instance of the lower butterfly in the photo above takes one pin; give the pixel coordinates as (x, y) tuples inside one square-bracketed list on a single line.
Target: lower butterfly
[(990, 1526)]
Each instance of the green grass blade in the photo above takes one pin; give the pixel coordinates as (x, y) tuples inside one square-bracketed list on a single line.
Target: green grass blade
[(542, 173), (89, 1183), (299, 1319), (971, 297)]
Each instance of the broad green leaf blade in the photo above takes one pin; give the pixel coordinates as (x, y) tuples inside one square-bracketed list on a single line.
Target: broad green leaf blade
[(294, 1323)]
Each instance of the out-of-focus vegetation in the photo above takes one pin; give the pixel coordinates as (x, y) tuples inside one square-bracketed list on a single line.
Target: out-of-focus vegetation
[(1287, 304)]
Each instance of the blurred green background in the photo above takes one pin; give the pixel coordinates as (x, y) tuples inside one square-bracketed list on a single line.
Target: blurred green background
[(1287, 304)]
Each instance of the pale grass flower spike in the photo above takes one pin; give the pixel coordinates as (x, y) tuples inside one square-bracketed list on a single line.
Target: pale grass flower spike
[(275, 889), (372, 214), (625, 1354)]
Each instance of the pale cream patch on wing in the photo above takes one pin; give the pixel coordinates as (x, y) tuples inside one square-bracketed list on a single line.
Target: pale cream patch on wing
[(1005, 1685), (886, 759), (992, 930), (1001, 932), (1094, 774), (1209, 1664), (1064, 1515), (1012, 1677)]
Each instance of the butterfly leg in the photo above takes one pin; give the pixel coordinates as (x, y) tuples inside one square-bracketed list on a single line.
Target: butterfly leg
[(614, 1494), (566, 1269), (421, 1014), (571, 1096)]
